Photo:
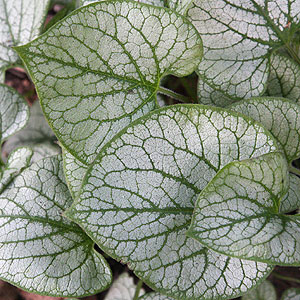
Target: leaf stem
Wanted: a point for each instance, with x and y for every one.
(138, 289)
(294, 170)
(285, 277)
(174, 95)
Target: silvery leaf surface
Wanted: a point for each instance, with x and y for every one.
(151, 2)
(99, 69)
(74, 171)
(238, 39)
(181, 6)
(237, 214)
(208, 96)
(291, 201)
(280, 116)
(291, 294)
(17, 161)
(14, 111)
(41, 251)
(20, 22)
(155, 296)
(36, 134)
(265, 291)
(137, 198)
(284, 80)
(122, 289)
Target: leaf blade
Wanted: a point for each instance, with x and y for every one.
(42, 246)
(149, 232)
(110, 86)
(237, 213)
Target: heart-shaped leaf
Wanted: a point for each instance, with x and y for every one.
(291, 294)
(99, 69)
(280, 116)
(265, 291)
(40, 250)
(123, 289)
(138, 197)
(20, 22)
(284, 80)
(238, 39)
(237, 214)
(13, 111)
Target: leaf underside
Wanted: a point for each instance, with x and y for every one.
(138, 196)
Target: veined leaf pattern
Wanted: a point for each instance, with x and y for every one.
(138, 197)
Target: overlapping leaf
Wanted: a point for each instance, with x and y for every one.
(37, 135)
(291, 294)
(40, 250)
(238, 39)
(181, 6)
(284, 78)
(151, 2)
(238, 212)
(209, 96)
(265, 291)
(155, 296)
(20, 22)
(291, 200)
(13, 111)
(123, 289)
(138, 197)
(99, 69)
(74, 171)
(280, 116)
(17, 161)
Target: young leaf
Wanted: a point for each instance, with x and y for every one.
(237, 214)
(238, 39)
(13, 111)
(155, 296)
(291, 200)
(74, 171)
(123, 289)
(265, 291)
(291, 294)
(40, 250)
(20, 22)
(284, 78)
(99, 69)
(138, 197)
(280, 116)
(17, 161)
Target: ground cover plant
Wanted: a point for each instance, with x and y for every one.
(199, 198)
